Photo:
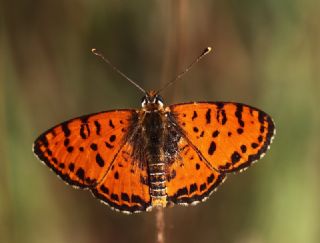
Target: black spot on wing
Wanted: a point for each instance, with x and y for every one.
(238, 114)
(225, 167)
(66, 142)
(251, 111)
(70, 149)
(114, 197)
(125, 197)
(53, 132)
(215, 134)
(197, 166)
(71, 167)
(235, 157)
(224, 117)
(193, 188)
(98, 127)
(219, 105)
(254, 145)
(84, 119)
(111, 124)
(243, 148)
(203, 187)
(221, 114)
(43, 140)
(65, 129)
(112, 138)
(240, 130)
(212, 148)
(108, 145)
(138, 200)
(104, 189)
(90, 181)
(99, 160)
(49, 152)
(210, 179)
(195, 115)
(80, 173)
(261, 117)
(84, 130)
(94, 146)
(181, 192)
(208, 116)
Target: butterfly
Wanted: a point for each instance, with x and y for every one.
(156, 156)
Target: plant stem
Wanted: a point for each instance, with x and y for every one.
(160, 223)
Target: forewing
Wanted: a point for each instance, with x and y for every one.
(125, 185)
(191, 179)
(81, 150)
(230, 136)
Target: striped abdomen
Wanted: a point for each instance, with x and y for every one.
(154, 138)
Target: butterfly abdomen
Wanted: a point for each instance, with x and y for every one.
(154, 144)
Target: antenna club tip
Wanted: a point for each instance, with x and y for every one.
(207, 50)
(94, 51)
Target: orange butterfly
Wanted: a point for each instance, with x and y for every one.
(134, 160)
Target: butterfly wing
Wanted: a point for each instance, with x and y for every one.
(125, 186)
(81, 150)
(191, 179)
(229, 136)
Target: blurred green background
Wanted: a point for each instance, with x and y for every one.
(265, 53)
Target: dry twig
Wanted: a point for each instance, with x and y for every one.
(160, 223)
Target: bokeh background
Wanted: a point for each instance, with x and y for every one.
(265, 53)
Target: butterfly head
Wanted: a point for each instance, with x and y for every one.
(152, 101)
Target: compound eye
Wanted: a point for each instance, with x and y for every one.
(144, 101)
(159, 100)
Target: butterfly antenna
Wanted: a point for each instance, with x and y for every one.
(99, 54)
(204, 53)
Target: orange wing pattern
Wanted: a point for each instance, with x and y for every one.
(125, 186)
(96, 152)
(81, 150)
(191, 179)
(230, 136)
